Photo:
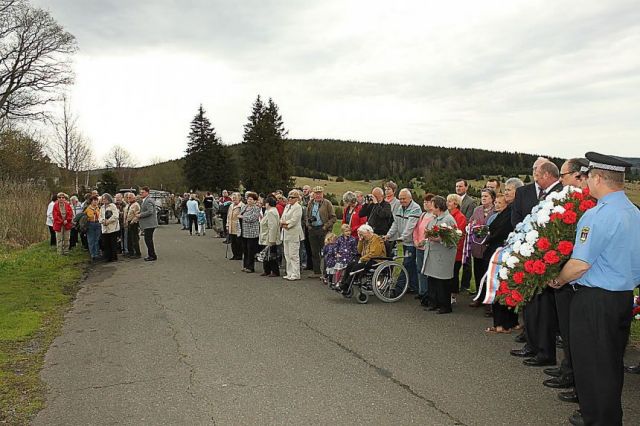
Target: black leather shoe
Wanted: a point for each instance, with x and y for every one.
(150, 259)
(633, 369)
(538, 362)
(433, 308)
(524, 352)
(568, 396)
(443, 311)
(576, 419)
(562, 382)
(521, 338)
(553, 371)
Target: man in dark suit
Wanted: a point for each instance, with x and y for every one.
(467, 206)
(540, 316)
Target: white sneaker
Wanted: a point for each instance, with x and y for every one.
(285, 277)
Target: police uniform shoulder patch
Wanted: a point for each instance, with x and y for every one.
(584, 234)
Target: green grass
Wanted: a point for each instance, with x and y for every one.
(36, 288)
(338, 188)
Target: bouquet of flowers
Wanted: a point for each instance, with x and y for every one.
(447, 235)
(480, 233)
(537, 249)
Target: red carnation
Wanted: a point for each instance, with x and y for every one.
(586, 192)
(551, 257)
(586, 205)
(543, 244)
(539, 267)
(565, 247)
(528, 266)
(569, 217)
(516, 296)
(555, 216)
(518, 277)
(436, 228)
(569, 206)
(503, 289)
(510, 302)
(577, 196)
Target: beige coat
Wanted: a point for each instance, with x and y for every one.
(270, 228)
(112, 224)
(131, 210)
(233, 223)
(292, 216)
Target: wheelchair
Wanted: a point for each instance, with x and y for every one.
(381, 280)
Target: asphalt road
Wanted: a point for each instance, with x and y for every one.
(190, 339)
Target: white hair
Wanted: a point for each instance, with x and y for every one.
(365, 228)
(406, 192)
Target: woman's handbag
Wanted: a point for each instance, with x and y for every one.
(268, 253)
(263, 255)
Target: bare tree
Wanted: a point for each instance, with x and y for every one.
(122, 162)
(118, 158)
(34, 59)
(70, 149)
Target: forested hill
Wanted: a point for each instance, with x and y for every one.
(364, 160)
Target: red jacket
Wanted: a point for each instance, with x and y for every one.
(356, 220)
(57, 217)
(461, 223)
(280, 205)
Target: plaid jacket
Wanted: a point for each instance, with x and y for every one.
(250, 222)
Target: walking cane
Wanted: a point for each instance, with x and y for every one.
(226, 252)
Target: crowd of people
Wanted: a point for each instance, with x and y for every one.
(105, 225)
(295, 233)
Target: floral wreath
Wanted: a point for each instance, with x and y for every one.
(536, 250)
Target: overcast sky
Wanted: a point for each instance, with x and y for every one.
(558, 77)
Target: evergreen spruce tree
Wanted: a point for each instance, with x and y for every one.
(265, 151)
(207, 166)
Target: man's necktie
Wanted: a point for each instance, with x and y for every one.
(541, 194)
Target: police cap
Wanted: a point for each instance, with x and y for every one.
(606, 162)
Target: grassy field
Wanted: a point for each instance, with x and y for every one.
(338, 188)
(36, 288)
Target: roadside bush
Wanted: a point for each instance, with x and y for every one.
(23, 208)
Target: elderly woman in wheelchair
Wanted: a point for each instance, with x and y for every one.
(373, 272)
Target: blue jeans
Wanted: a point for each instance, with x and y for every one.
(93, 238)
(185, 220)
(409, 263)
(422, 278)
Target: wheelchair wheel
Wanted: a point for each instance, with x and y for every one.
(362, 298)
(385, 281)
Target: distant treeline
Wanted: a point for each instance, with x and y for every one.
(434, 167)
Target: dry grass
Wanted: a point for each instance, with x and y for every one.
(23, 208)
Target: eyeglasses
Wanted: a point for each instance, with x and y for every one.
(292, 196)
(566, 173)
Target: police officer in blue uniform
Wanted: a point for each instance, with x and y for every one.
(603, 271)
